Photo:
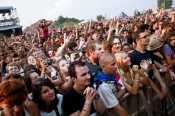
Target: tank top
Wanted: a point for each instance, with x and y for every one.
(45, 33)
(53, 113)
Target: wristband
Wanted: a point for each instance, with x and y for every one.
(160, 70)
(87, 104)
(146, 74)
(86, 110)
(163, 86)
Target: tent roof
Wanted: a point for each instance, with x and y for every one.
(6, 9)
(123, 15)
(9, 27)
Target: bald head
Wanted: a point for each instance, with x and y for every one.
(105, 58)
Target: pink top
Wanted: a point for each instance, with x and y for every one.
(45, 33)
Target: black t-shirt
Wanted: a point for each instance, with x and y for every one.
(93, 69)
(156, 58)
(137, 57)
(73, 101)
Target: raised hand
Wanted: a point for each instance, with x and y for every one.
(90, 94)
(135, 68)
(144, 65)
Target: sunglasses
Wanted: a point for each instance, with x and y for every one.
(144, 37)
(41, 81)
(16, 60)
(3, 54)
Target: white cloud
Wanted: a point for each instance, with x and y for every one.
(60, 6)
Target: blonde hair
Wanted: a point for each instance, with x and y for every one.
(125, 72)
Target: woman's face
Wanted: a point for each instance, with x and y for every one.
(47, 94)
(126, 48)
(33, 76)
(126, 60)
(116, 46)
(31, 60)
(172, 41)
(67, 58)
(63, 64)
(51, 53)
(15, 110)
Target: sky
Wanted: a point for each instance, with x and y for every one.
(30, 11)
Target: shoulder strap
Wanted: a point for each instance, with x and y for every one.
(98, 83)
(57, 112)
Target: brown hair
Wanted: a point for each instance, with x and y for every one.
(91, 45)
(110, 42)
(12, 92)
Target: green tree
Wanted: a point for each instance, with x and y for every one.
(137, 13)
(100, 17)
(165, 3)
(61, 19)
(65, 20)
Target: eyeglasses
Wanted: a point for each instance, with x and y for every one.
(119, 43)
(144, 37)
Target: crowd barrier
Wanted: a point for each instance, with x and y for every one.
(147, 102)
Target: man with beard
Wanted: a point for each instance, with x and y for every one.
(94, 51)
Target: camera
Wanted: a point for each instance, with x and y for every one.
(49, 61)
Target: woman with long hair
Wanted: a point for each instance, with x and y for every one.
(68, 83)
(44, 95)
(114, 44)
(130, 76)
(44, 24)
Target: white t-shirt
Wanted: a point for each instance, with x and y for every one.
(53, 113)
(107, 92)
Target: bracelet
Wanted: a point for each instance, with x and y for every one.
(146, 74)
(163, 86)
(86, 110)
(136, 80)
(160, 70)
(87, 104)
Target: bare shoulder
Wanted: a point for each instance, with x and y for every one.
(32, 108)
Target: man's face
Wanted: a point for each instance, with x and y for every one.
(3, 55)
(13, 70)
(16, 60)
(83, 75)
(144, 39)
(110, 66)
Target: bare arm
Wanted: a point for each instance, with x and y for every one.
(99, 105)
(159, 78)
(132, 89)
(120, 94)
(120, 110)
(32, 108)
(169, 60)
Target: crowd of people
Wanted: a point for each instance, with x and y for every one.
(85, 69)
